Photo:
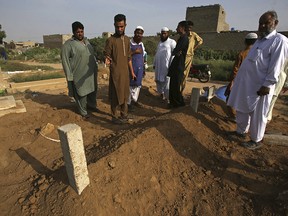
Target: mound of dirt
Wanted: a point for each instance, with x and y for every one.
(166, 162)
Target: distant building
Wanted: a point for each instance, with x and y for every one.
(56, 40)
(211, 18)
(21, 45)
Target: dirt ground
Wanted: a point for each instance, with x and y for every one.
(165, 162)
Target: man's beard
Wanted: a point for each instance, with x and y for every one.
(120, 33)
(164, 39)
(267, 32)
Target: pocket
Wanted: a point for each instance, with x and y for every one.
(254, 55)
(252, 102)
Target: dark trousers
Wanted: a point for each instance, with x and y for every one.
(175, 95)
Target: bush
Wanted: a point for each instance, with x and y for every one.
(150, 46)
(15, 66)
(18, 78)
(220, 69)
(39, 54)
(209, 54)
(99, 46)
(3, 92)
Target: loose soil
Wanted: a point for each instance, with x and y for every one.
(165, 162)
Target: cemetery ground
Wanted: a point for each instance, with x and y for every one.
(165, 162)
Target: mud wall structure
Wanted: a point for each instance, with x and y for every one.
(211, 18)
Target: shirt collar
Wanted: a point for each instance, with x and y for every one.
(271, 34)
(134, 43)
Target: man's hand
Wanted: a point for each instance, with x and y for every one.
(133, 76)
(108, 60)
(263, 91)
(137, 51)
(284, 89)
(179, 53)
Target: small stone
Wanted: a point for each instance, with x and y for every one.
(116, 198)
(41, 180)
(43, 187)
(260, 163)
(270, 162)
(233, 155)
(66, 190)
(50, 179)
(21, 200)
(24, 208)
(185, 175)
(112, 164)
(208, 172)
(32, 199)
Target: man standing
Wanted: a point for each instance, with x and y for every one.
(250, 39)
(177, 67)
(80, 67)
(118, 55)
(194, 42)
(138, 52)
(162, 61)
(254, 84)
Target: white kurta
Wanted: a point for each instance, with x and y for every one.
(261, 67)
(163, 59)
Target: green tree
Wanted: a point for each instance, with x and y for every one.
(150, 45)
(2, 34)
(99, 44)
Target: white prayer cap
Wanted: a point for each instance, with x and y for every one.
(251, 35)
(165, 29)
(140, 27)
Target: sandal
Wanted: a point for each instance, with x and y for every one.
(252, 145)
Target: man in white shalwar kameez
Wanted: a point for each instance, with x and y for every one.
(162, 62)
(254, 84)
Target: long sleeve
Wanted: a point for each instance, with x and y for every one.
(65, 57)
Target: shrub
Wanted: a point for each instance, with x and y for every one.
(98, 44)
(36, 76)
(15, 66)
(39, 54)
(3, 92)
(220, 69)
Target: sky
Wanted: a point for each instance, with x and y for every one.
(29, 20)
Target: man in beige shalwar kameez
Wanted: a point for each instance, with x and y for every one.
(118, 56)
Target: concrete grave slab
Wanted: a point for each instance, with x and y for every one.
(40, 85)
(7, 102)
(19, 108)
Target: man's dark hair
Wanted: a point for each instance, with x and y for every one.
(77, 25)
(183, 24)
(250, 41)
(273, 14)
(119, 18)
